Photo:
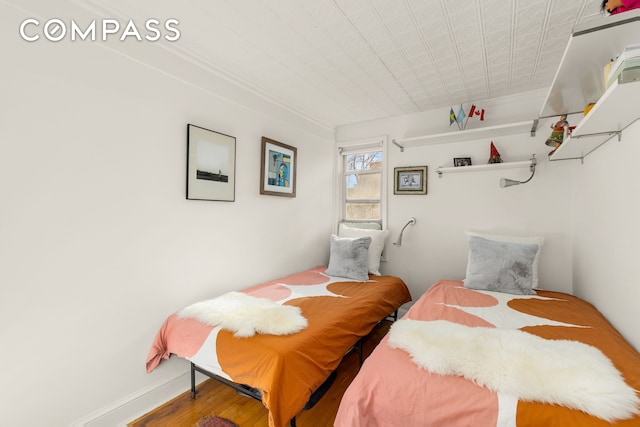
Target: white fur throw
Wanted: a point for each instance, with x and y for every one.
(246, 315)
(520, 364)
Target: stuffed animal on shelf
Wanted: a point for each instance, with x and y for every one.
(494, 157)
(618, 6)
(557, 134)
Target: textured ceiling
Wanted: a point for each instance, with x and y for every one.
(346, 61)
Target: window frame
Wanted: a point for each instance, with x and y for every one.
(345, 148)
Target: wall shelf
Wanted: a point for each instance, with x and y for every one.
(612, 114)
(579, 79)
(477, 168)
(466, 135)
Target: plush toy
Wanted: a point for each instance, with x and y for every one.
(619, 6)
(494, 157)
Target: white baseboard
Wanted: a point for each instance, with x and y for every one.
(127, 409)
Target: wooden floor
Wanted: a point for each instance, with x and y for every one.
(216, 398)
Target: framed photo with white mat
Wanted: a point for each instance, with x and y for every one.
(211, 165)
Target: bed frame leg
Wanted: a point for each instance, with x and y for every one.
(391, 317)
(193, 381)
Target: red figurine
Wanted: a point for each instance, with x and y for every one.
(494, 157)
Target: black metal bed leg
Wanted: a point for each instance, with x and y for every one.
(193, 381)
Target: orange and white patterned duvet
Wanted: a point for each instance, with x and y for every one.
(391, 390)
(288, 368)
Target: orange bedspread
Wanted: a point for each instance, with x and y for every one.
(392, 390)
(287, 369)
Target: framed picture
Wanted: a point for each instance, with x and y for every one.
(211, 165)
(462, 161)
(278, 169)
(410, 180)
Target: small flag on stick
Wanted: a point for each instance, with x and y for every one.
(475, 111)
(452, 117)
(460, 117)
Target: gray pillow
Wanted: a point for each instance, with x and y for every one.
(349, 257)
(500, 266)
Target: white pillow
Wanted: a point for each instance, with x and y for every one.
(516, 239)
(378, 238)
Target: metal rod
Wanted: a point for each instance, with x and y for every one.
(393, 141)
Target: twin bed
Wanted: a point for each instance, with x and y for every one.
(284, 371)
(489, 351)
(394, 389)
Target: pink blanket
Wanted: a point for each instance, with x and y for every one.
(392, 390)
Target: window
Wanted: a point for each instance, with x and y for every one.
(362, 184)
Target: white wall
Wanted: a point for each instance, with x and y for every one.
(436, 247)
(98, 244)
(588, 213)
(607, 234)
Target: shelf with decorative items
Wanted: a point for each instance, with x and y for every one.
(469, 134)
(580, 85)
(477, 168)
(612, 114)
(579, 80)
(531, 164)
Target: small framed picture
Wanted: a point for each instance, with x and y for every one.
(278, 169)
(462, 161)
(211, 165)
(410, 180)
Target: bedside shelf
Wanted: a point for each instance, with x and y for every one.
(477, 168)
(465, 135)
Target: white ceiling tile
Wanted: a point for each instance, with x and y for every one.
(391, 57)
(353, 42)
(443, 52)
(341, 61)
(365, 18)
(407, 37)
(421, 61)
(384, 46)
(389, 8)
(352, 6)
(374, 35)
(322, 11)
(399, 24)
(338, 28)
(285, 9)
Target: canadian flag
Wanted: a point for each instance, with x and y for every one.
(474, 111)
